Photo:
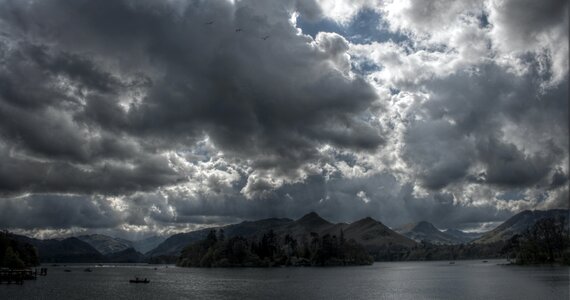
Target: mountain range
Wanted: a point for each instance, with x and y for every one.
(425, 231)
(520, 222)
(372, 234)
(462, 236)
(71, 250)
(379, 240)
(89, 248)
(108, 245)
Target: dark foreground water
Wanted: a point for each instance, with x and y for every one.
(398, 280)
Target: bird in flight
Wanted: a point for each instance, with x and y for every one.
(209, 23)
(238, 29)
(265, 37)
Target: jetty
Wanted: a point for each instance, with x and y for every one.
(10, 276)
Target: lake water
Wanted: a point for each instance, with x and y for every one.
(397, 280)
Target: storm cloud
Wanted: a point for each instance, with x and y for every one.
(160, 116)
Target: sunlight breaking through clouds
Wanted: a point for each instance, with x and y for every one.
(164, 116)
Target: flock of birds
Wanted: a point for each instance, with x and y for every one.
(237, 29)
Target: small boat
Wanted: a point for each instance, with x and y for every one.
(485, 261)
(88, 270)
(67, 270)
(138, 280)
(451, 262)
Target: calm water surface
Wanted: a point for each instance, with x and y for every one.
(398, 280)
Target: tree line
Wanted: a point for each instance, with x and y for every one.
(271, 250)
(15, 254)
(547, 241)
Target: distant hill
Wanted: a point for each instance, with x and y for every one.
(519, 223)
(72, 250)
(15, 253)
(109, 245)
(462, 236)
(425, 231)
(75, 250)
(147, 244)
(129, 255)
(311, 222)
(379, 240)
(373, 235)
(173, 246)
(106, 244)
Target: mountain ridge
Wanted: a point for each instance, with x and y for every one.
(106, 244)
(375, 236)
(520, 222)
(75, 250)
(426, 231)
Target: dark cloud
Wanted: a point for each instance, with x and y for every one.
(507, 165)
(160, 115)
(91, 82)
(526, 20)
(483, 121)
(57, 211)
(559, 179)
(532, 27)
(22, 175)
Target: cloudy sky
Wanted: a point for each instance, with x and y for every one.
(139, 117)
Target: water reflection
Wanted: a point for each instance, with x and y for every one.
(398, 280)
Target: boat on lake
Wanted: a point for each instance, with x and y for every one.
(138, 280)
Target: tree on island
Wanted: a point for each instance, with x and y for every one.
(273, 250)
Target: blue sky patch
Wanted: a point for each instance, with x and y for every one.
(366, 27)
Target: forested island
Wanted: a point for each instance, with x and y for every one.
(271, 251)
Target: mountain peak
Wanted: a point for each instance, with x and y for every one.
(425, 225)
(312, 213)
(424, 230)
(367, 220)
(312, 219)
